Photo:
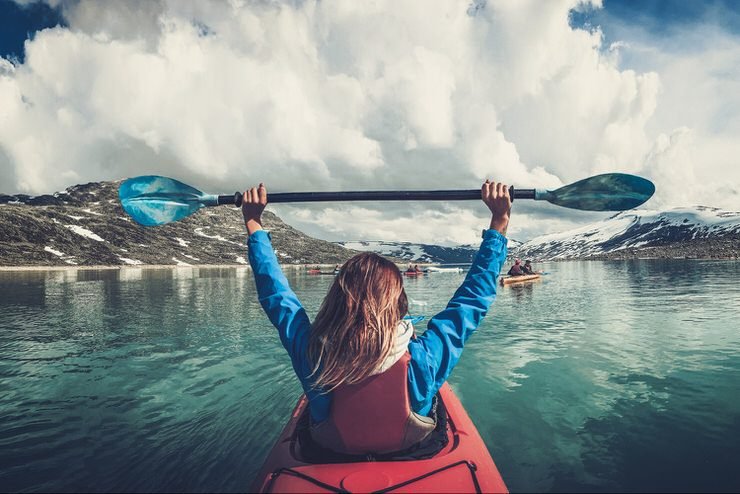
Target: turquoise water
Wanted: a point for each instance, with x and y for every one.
(604, 376)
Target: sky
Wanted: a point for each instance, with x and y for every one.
(388, 94)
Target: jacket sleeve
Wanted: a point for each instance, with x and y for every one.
(436, 352)
(278, 300)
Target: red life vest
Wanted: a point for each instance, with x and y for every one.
(373, 416)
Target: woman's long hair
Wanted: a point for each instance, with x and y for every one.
(355, 328)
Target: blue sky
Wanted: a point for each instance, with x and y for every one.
(672, 26)
(662, 14)
(660, 18)
(18, 23)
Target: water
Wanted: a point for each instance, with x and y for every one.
(605, 376)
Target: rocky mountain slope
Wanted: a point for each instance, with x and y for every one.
(697, 232)
(85, 225)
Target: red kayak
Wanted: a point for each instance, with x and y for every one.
(413, 273)
(463, 465)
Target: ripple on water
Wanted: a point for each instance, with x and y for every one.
(603, 376)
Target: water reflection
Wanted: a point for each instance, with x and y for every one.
(603, 376)
(522, 291)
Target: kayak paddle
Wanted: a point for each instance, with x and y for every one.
(152, 200)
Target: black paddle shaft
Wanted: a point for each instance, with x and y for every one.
(377, 195)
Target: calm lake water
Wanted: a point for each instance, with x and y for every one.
(604, 376)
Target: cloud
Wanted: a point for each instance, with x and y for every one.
(361, 95)
(693, 150)
(450, 224)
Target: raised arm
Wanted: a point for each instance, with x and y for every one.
(275, 295)
(436, 352)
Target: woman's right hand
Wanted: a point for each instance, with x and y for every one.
(254, 201)
(496, 197)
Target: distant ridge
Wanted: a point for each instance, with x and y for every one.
(411, 252)
(424, 253)
(698, 232)
(86, 226)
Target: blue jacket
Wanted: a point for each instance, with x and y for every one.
(433, 354)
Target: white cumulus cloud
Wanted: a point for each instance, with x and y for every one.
(338, 95)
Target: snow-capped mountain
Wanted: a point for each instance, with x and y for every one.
(411, 252)
(697, 232)
(424, 253)
(85, 225)
(513, 245)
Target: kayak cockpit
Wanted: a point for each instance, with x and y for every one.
(462, 465)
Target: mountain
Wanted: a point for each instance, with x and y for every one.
(85, 225)
(424, 253)
(410, 252)
(697, 232)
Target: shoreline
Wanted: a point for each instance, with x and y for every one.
(124, 267)
(68, 267)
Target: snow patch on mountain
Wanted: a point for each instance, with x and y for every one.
(85, 233)
(199, 232)
(132, 262)
(54, 251)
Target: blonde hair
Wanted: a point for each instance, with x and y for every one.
(355, 328)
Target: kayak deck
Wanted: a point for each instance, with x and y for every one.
(464, 465)
(509, 280)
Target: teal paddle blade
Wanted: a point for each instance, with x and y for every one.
(607, 192)
(152, 200)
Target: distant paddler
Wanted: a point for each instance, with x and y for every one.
(527, 268)
(413, 270)
(517, 269)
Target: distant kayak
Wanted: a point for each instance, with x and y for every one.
(413, 273)
(463, 465)
(510, 280)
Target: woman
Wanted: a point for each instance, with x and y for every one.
(370, 383)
